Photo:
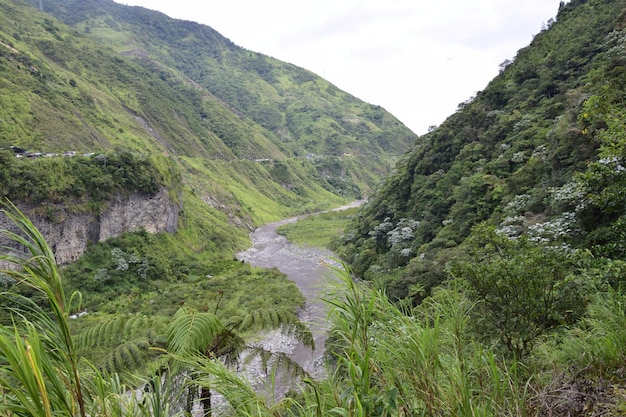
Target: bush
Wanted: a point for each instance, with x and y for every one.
(523, 289)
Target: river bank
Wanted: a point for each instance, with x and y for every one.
(310, 269)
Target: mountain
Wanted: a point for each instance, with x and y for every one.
(237, 137)
(298, 112)
(497, 242)
(537, 153)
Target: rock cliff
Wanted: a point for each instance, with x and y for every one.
(69, 233)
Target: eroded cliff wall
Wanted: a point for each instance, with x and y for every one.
(70, 233)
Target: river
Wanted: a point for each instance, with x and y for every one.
(310, 269)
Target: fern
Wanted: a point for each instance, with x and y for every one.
(214, 375)
(128, 340)
(192, 332)
(126, 357)
(285, 320)
(117, 329)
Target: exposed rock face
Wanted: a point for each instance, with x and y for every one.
(69, 235)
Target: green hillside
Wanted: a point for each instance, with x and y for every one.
(261, 138)
(287, 111)
(495, 249)
(519, 156)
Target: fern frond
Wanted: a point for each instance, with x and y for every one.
(117, 329)
(191, 331)
(277, 361)
(126, 357)
(238, 392)
(227, 346)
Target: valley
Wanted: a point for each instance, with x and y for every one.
(482, 273)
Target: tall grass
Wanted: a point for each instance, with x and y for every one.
(49, 378)
(597, 344)
(392, 362)
(41, 373)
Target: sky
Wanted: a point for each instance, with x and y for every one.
(416, 58)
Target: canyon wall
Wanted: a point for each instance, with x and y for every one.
(68, 234)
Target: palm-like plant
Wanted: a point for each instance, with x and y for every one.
(39, 370)
(203, 335)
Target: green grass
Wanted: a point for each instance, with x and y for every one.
(318, 230)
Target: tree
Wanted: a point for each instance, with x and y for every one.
(203, 333)
(523, 289)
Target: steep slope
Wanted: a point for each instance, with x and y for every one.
(300, 112)
(247, 138)
(509, 156)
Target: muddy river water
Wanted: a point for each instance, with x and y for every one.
(310, 269)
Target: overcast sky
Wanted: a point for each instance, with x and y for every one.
(416, 58)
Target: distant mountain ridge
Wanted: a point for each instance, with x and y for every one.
(247, 138)
(299, 111)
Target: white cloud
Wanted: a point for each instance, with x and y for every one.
(416, 58)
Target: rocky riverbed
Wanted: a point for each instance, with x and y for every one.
(310, 269)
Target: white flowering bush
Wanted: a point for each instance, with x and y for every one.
(616, 40)
(613, 162)
(381, 229)
(540, 152)
(569, 196)
(403, 232)
(101, 276)
(555, 230)
(511, 226)
(523, 124)
(518, 205)
(396, 239)
(401, 238)
(122, 263)
(518, 157)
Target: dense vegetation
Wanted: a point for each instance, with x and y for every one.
(496, 247)
(515, 204)
(519, 156)
(93, 179)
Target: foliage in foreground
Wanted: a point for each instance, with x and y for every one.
(42, 368)
(384, 360)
